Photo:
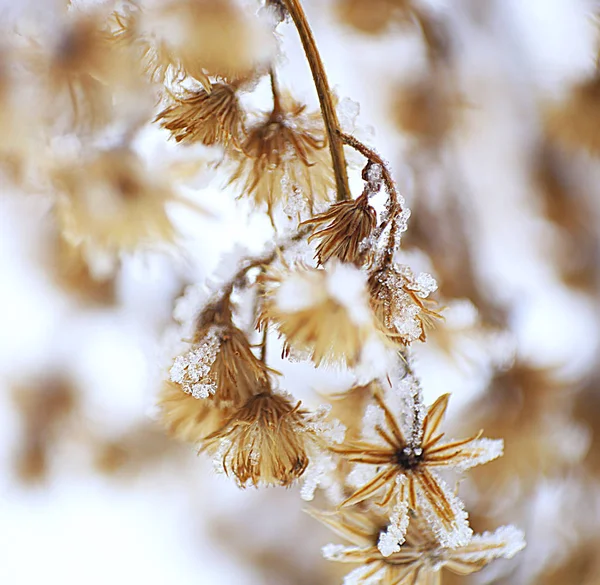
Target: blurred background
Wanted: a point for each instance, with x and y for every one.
(488, 112)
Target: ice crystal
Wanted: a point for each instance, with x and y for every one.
(192, 369)
(392, 538)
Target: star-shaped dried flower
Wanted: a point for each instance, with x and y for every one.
(421, 558)
(405, 466)
(343, 227)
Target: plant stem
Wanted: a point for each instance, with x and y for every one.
(336, 146)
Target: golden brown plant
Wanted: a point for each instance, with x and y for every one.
(405, 467)
(343, 228)
(264, 442)
(208, 116)
(315, 316)
(284, 159)
(421, 558)
(187, 418)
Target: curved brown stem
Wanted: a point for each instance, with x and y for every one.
(336, 146)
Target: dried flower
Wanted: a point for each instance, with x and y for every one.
(322, 312)
(349, 223)
(372, 16)
(111, 203)
(210, 117)
(284, 157)
(398, 299)
(405, 464)
(264, 442)
(186, 418)
(421, 558)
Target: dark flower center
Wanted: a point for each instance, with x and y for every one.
(408, 458)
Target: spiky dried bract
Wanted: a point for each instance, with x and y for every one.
(343, 227)
(111, 203)
(186, 418)
(210, 117)
(421, 558)
(404, 464)
(399, 301)
(196, 38)
(264, 442)
(284, 158)
(323, 313)
(576, 121)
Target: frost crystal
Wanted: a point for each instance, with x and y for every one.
(192, 369)
(482, 451)
(391, 540)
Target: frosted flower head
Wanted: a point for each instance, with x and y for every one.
(209, 117)
(405, 464)
(398, 299)
(324, 312)
(421, 557)
(111, 203)
(264, 442)
(219, 364)
(186, 418)
(341, 230)
(284, 155)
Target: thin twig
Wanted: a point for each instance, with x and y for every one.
(336, 146)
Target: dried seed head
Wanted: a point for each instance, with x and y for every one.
(111, 203)
(186, 418)
(264, 442)
(344, 226)
(399, 301)
(576, 121)
(283, 158)
(220, 364)
(322, 313)
(210, 117)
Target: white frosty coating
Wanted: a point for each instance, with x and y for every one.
(192, 369)
(190, 303)
(505, 542)
(361, 474)
(299, 291)
(372, 418)
(332, 431)
(391, 540)
(412, 409)
(376, 360)
(348, 111)
(426, 284)
(460, 532)
(483, 450)
(348, 286)
(334, 552)
(320, 467)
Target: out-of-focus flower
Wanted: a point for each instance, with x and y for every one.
(576, 120)
(399, 301)
(373, 16)
(210, 117)
(421, 558)
(284, 158)
(111, 203)
(199, 38)
(405, 464)
(343, 228)
(324, 313)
